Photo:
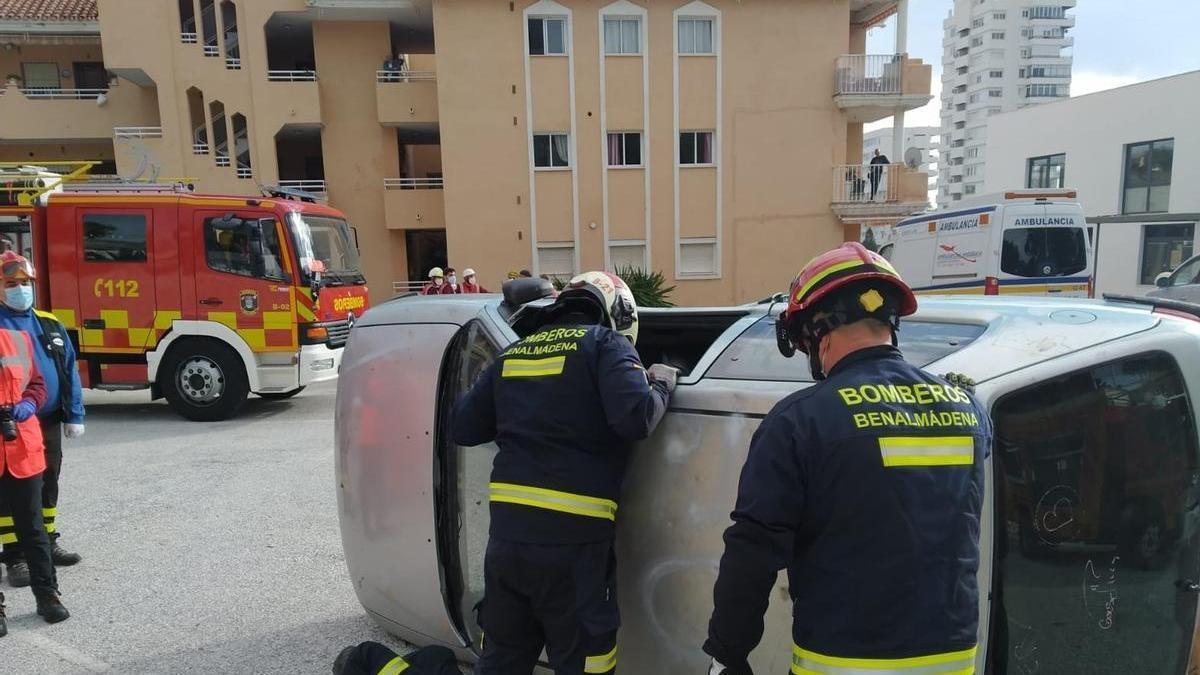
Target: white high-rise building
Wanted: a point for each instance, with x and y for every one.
(998, 56)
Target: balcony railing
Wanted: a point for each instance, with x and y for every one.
(199, 148)
(189, 38)
(137, 132)
(316, 186)
(233, 63)
(63, 94)
(869, 73)
(399, 287)
(413, 183)
(292, 75)
(212, 50)
(864, 184)
(221, 159)
(404, 76)
(245, 172)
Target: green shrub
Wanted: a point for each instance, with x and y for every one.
(649, 288)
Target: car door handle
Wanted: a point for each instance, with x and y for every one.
(1187, 586)
(212, 301)
(93, 324)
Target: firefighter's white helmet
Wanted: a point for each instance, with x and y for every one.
(607, 289)
(436, 273)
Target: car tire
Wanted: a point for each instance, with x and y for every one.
(204, 380)
(279, 395)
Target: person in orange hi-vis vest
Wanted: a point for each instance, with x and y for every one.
(22, 462)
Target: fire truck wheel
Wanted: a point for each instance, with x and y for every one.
(279, 395)
(204, 380)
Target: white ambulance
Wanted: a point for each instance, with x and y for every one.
(1025, 242)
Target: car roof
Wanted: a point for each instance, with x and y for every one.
(1021, 331)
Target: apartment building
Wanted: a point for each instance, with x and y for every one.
(998, 56)
(1120, 156)
(716, 142)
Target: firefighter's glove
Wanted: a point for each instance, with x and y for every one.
(24, 410)
(73, 430)
(665, 374)
(716, 668)
(960, 380)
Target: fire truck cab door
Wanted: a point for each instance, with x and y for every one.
(116, 279)
(244, 277)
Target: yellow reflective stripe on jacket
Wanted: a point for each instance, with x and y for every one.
(806, 662)
(533, 367)
(580, 505)
(603, 663)
(394, 667)
(8, 538)
(927, 450)
(6, 521)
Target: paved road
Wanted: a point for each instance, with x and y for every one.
(208, 548)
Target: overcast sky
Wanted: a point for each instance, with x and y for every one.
(1117, 42)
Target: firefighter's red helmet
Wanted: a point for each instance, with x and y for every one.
(14, 267)
(836, 269)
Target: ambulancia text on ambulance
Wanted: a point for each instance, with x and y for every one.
(203, 299)
(1028, 242)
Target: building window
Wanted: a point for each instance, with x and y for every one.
(40, 76)
(998, 35)
(976, 41)
(993, 111)
(622, 36)
(551, 151)
(995, 93)
(695, 147)
(970, 170)
(1044, 90)
(626, 254)
(1165, 247)
(625, 148)
(1026, 32)
(996, 74)
(114, 237)
(547, 36)
(556, 260)
(969, 189)
(972, 153)
(1026, 52)
(1148, 176)
(696, 36)
(229, 246)
(1046, 172)
(977, 23)
(697, 257)
(999, 16)
(1048, 12)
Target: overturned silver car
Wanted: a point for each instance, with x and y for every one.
(1089, 546)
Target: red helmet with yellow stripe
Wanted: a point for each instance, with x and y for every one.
(837, 288)
(14, 267)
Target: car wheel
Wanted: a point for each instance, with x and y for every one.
(279, 395)
(204, 380)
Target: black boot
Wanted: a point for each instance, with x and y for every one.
(50, 608)
(18, 574)
(62, 557)
(339, 664)
(3, 621)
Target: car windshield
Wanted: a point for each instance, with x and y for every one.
(1044, 251)
(754, 355)
(325, 245)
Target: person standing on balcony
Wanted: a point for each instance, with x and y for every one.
(876, 171)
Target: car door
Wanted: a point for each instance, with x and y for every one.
(1096, 548)
(1184, 283)
(243, 277)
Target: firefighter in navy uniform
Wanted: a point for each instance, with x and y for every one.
(866, 487)
(373, 658)
(564, 405)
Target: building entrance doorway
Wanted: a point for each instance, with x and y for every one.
(426, 249)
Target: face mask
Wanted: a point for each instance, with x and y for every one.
(453, 279)
(19, 297)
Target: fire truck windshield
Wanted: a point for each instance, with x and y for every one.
(325, 245)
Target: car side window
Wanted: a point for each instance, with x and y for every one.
(754, 356)
(114, 237)
(1096, 509)
(1188, 274)
(234, 250)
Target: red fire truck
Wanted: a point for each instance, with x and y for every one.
(201, 298)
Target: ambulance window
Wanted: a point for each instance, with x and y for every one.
(754, 355)
(1096, 503)
(114, 237)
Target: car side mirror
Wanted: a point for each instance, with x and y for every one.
(517, 292)
(1163, 280)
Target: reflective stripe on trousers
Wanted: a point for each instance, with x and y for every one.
(805, 662)
(8, 534)
(394, 667)
(553, 500)
(603, 663)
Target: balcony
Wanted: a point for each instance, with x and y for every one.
(870, 87)
(298, 99)
(881, 191)
(414, 203)
(61, 115)
(314, 187)
(406, 97)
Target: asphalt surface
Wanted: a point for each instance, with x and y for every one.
(208, 548)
